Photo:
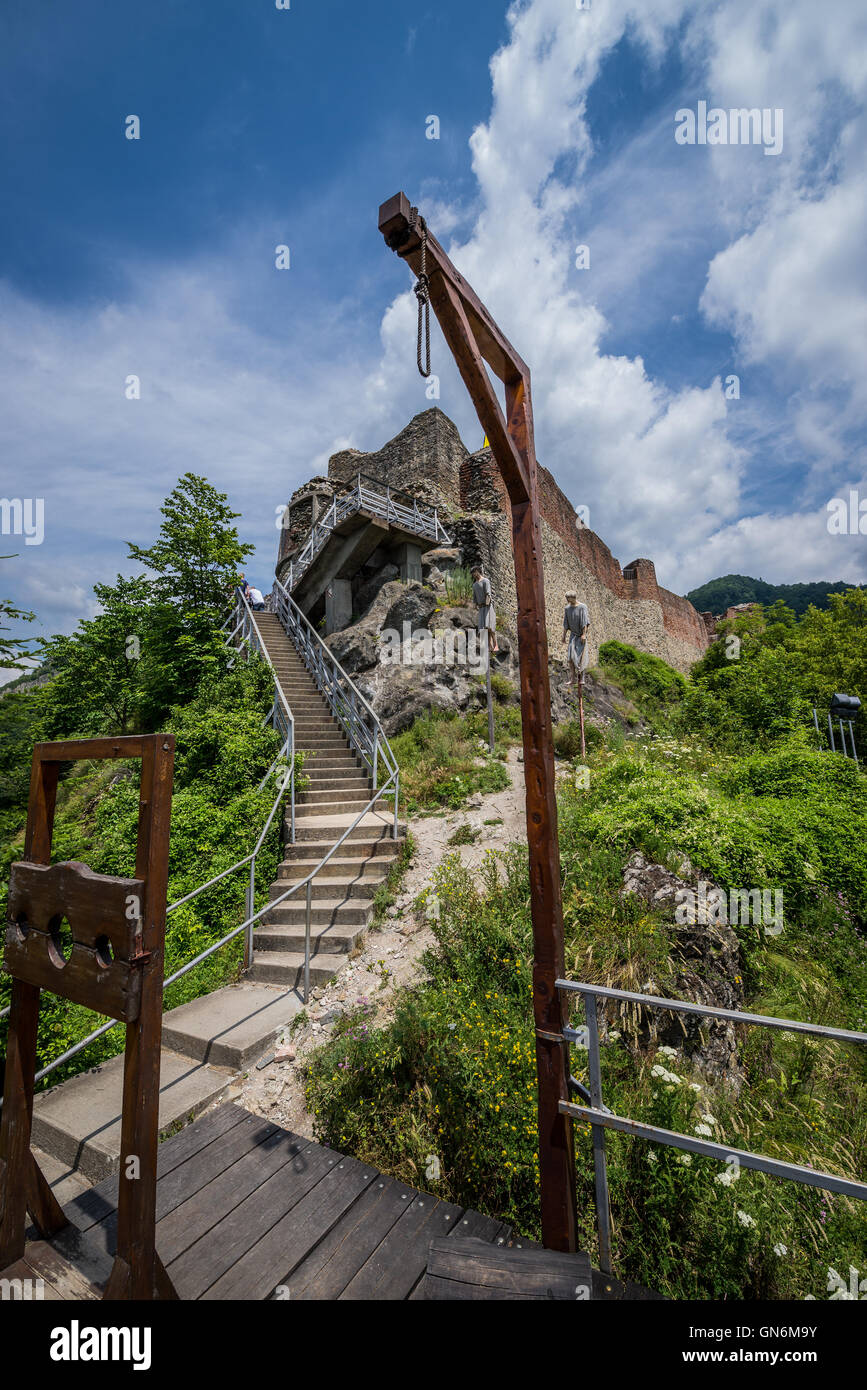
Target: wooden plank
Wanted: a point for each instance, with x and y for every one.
(95, 905)
(337, 1259)
(474, 1269)
(266, 1199)
(282, 1249)
(93, 1206)
(186, 1179)
(394, 1269)
(59, 1272)
(214, 1202)
(472, 1225)
(21, 1275)
(113, 990)
(71, 750)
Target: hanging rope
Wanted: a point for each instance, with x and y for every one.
(422, 294)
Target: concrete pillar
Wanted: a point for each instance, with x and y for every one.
(338, 606)
(408, 559)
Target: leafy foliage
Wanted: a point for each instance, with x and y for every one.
(718, 595)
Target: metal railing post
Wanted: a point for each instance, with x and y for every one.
(251, 908)
(376, 760)
(396, 803)
(307, 940)
(600, 1167)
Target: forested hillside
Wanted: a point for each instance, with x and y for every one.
(718, 595)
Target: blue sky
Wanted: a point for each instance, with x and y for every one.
(261, 127)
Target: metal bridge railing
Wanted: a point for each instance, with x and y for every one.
(347, 704)
(601, 1118)
(381, 501)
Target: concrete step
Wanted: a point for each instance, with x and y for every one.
(337, 779)
(353, 795)
(65, 1182)
(337, 910)
(325, 939)
(231, 1027)
(78, 1122)
(345, 887)
(286, 968)
(354, 849)
(339, 866)
(371, 826)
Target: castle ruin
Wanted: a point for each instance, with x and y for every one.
(427, 465)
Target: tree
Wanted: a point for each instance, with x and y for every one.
(97, 671)
(12, 648)
(197, 555)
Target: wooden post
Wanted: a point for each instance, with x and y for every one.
(115, 967)
(488, 689)
(474, 339)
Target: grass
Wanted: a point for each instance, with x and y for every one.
(444, 758)
(453, 1074)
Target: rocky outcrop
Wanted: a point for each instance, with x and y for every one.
(708, 970)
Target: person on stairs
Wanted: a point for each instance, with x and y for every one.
(576, 622)
(255, 599)
(487, 618)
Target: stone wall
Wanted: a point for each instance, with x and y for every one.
(429, 461)
(424, 460)
(625, 605)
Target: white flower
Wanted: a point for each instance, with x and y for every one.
(653, 1156)
(686, 1160)
(667, 1051)
(709, 1119)
(704, 1129)
(657, 1070)
(695, 1086)
(613, 1035)
(725, 1179)
(780, 1251)
(745, 1218)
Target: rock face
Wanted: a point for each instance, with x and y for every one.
(709, 971)
(411, 651)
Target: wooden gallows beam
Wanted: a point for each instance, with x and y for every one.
(474, 339)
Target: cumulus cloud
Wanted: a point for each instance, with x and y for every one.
(765, 253)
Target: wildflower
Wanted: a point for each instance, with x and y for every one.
(745, 1218)
(686, 1160)
(709, 1119)
(667, 1051)
(725, 1179)
(694, 1086)
(653, 1156)
(704, 1129)
(780, 1250)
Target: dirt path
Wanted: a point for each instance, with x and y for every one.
(390, 957)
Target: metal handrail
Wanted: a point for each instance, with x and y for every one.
(344, 698)
(601, 1118)
(250, 627)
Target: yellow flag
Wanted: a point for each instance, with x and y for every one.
(486, 445)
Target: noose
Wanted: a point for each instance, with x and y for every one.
(422, 294)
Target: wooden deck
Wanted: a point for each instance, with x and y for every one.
(246, 1210)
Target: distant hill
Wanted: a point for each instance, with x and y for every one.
(719, 594)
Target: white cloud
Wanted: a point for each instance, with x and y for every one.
(775, 244)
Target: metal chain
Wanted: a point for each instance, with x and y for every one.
(422, 294)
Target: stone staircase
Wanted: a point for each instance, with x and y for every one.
(340, 787)
(208, 1042)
